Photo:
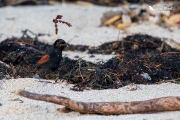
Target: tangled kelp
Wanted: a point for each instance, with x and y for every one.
(140, 59)
(134, 43)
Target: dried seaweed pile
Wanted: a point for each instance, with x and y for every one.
(80, 48)
(140, 59)
(20, 55)
(133, 43)
(81, 2)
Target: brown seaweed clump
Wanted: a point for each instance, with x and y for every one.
(141, 59)
(137, 43)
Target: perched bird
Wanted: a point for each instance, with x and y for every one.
(53, 58)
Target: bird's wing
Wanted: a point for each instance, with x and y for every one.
(44, 59)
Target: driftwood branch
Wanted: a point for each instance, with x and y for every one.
(109, 108)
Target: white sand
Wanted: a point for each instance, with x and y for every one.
(85, 30)
(32, 109)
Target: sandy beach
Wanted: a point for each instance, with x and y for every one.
(17, 107)
(85, 31)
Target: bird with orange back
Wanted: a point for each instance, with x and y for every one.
(52, 59)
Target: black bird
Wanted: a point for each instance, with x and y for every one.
(54, 56)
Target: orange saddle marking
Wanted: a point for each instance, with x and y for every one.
(44, 59)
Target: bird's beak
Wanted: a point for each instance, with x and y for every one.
(61, 45)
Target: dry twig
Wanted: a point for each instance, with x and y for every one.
(79, 63)
(1, 62)
(58, 19)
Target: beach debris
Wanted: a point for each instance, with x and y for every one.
(112, 2)
(83, 3)
(123, 26)
(58, 19)
(126, 19)
(79, 2)
(16, 99)
(174, 44)
(174, 20)
(121, 18)
(23, 2)
(146, 76)
(112, 20)
(140, 59)
(137, 43)
(110, 17)
(165, 14)
(162, 104)
(133, 87)
(5, 70)
(80, 48)
(29, 34)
